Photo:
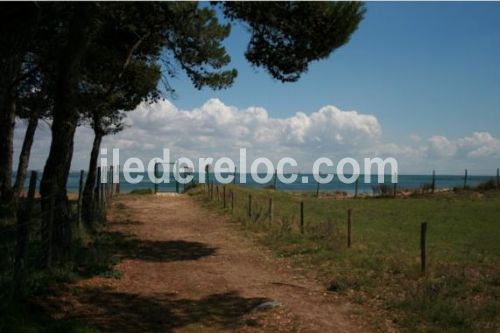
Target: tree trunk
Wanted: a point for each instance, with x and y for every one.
(24, 221)
(24, 156)
(65, 120)
(7, 122)
(88, 191)
(18, 22)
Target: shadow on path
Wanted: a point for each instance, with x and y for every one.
(123, 312)
(159, 251)
(127, 222)
(110, 248)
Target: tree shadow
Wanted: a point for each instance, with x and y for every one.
(109, 248)
(111, 311)
(130, 247)
(125, 222)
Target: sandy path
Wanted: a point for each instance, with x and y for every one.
(188, 270)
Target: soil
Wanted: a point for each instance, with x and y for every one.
(187, 269)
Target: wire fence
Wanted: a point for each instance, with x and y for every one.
(40, 227)
(328, 221)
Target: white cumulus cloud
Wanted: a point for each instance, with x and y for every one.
(219, 129)
(215, 129)
(480, 144)
(442, 146)
(477, 145)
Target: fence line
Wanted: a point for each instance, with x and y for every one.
(255, 207)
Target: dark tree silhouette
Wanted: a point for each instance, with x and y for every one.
(86, 52)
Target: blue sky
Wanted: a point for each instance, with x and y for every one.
(423, 79)
(423, 68)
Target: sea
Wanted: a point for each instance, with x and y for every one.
(304, 182)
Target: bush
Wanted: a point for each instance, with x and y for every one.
(383, 190)
(487, 185)
(426, 187)
(142, 191)
(459, 189)
(190, 186)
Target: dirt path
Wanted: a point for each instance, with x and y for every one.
(187, 270)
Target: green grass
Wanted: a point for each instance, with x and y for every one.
(459, 293)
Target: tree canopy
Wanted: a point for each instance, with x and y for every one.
(286, 36)
(93, 61)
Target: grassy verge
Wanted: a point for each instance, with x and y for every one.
(460, 291)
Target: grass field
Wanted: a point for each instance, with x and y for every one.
(460, 291)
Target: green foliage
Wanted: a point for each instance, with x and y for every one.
(198, 48)
(287, 36)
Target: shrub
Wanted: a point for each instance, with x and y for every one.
(487, 185)
(426, 187)
(142, 191)
(382, 190)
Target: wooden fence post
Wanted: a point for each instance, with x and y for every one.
(250, 206)
(349, 222)
(106, 183)
(156, 176)
(111, 182)
(234, 178)
(232, 201)
(465, 179)
(102, 195)
(97, 190)
(105, 175)
(356, 187)
(433, 184)
(270, 212)
(22, 241)
(423, 254)
(217, 191)
(118, 179)
(302, 217)
(498, 178)
(99, 204)
(224, 196)
(317, 189)
(80, 193)
(275, 179)
(103, 202)
(106, 186)
(395, 191)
